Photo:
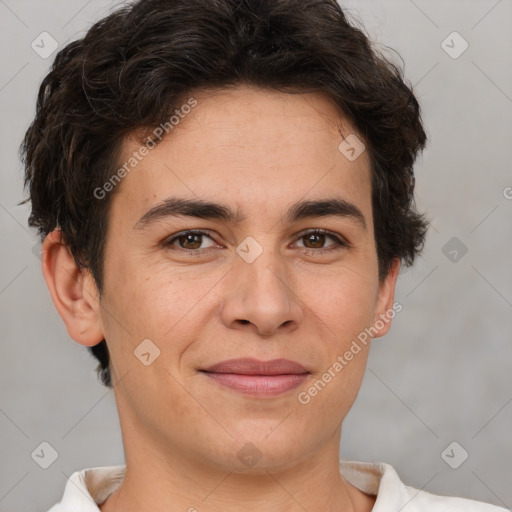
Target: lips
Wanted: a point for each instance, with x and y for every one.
(248, 366)
(258, 378)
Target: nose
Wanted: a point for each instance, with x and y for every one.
(260, 297)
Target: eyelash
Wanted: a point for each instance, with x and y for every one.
(340, 242)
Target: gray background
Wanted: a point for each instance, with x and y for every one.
(442, 374)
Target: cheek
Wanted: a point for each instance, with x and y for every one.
(153, 305)
(344, 303)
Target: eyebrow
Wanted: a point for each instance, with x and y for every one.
(175, 206)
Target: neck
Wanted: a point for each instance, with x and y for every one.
(159, 479)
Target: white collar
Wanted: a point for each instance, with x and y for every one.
(88, 488)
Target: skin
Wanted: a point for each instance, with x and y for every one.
(257, 152)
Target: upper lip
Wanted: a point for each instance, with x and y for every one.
(250, 366)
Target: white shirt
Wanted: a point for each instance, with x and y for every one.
(88, 488)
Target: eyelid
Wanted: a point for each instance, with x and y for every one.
(169, 241)
(340, 240)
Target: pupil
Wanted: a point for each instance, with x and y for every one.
(319, 239)
(190, 238)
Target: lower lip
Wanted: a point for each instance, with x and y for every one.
(259, 385)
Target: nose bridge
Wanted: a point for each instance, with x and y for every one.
(266, 277)
(268, 274)
(260, 291)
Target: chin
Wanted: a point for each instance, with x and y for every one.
(259, 451)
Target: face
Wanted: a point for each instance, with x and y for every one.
(247, 275)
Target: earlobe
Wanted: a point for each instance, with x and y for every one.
(385, 310)
(73, 291)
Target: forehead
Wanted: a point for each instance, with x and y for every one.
(249, 146)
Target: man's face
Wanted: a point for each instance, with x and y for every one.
(204, 299)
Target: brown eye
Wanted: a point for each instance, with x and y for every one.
(190, 240)
(314, 240)
(317, 239)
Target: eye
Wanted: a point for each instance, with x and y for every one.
(316, 239)
(313, 240)
(189, 240)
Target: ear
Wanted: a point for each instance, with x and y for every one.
(385, 309)
(73, 291)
